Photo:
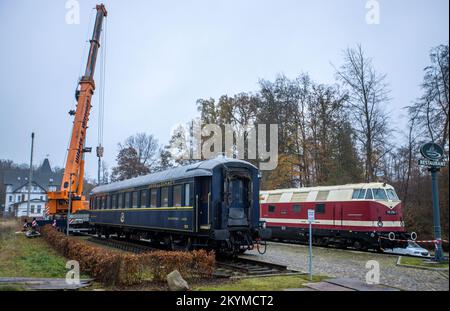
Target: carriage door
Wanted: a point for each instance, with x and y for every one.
(338, 214)
(238, 201)
(204, 202)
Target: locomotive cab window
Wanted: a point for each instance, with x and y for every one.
(392, 195)
(379, 194)
(320, 208)
(356, 193)
(165, 196)
(177, 195)
(369, 195)
(271, 208)
(362, 194)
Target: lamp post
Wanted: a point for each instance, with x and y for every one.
(30, 175)
(433, 154)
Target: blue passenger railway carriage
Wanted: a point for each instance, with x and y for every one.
(212, 204)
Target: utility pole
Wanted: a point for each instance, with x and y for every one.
(30, 175)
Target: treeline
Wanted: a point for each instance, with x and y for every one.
(329, 133)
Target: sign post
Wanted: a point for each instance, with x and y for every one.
(433, 154)
(311, 217)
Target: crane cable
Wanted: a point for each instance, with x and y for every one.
(101, 109)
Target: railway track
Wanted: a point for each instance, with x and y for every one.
(236, 267)
(133, 247)
(243, 267)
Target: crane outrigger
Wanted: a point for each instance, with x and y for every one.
(71, 190)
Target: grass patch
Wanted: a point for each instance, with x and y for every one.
(24, 257)
(422, 263)
(262, 283)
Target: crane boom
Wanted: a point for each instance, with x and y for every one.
(72, 181)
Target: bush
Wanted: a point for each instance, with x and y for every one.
(112, 267)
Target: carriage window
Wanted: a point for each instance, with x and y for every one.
(369, 195)
(392, 195)
(271, 208)
(362, 194)
(144, 198)
(97, 202)
(187, 196)
(114, 201)
(379, 194)
(104, 202)
(320, 208)
(164, 196)
(127, 199)
(177, 195)
(154, 198)
(296, 208)
(120, 200)
(134, 202)
(108, 202)
(356, 193)
(237, 190)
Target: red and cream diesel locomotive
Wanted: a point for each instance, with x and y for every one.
(366, 215)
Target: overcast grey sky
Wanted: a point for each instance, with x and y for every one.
(164, 55)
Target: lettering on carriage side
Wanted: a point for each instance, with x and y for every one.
(173, 218)
(161, 184)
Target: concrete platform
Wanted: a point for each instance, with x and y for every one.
(328, 287)
(358, 285)
(44, 283)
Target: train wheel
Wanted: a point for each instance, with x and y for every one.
(357, 245)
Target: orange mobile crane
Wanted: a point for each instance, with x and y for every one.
(71, 191)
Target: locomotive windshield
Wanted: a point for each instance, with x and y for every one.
(392, 195)
(379, 194)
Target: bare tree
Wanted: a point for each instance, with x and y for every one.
(431, 109)
(367, 94)
(146, 147)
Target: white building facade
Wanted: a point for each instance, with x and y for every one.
(16, 194)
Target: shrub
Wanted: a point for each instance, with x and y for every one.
(111, 267)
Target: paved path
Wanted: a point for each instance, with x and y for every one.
(352, 264)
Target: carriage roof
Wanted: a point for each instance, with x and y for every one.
(202, 168)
